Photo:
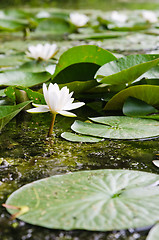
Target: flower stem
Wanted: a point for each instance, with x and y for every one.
(51, 125)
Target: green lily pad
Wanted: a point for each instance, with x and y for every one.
(126, 69)
(12, 25)
(14, 92)
(103, 35)
(55, 25)
(80, 63)
(2, 92)
(146, 93)
(154, 233)
(33, 66)
(79, 86)
(100, 200)
(153, 73)
(8, 112)
(118, 127)
(79, 138)
(136, 107)
(12, 60)
(20, 78)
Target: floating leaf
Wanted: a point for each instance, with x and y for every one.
(156, 163)
(100, 200)
(8, 112)
(153, 73)
(12, 25)
(79, 86)
(126, 69)
(136, 107)
(118, 127)
(33, 66)
(154, 233)
(36, 97)
(55, 26)
(80, 63)
(103, 35)
(79, 138)
(12, 60)
(25, 79)
(146, 93)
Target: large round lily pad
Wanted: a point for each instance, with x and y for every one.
(118, 127)
(97, 200)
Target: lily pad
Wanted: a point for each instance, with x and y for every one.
(146, 93)
(118, 127)
(154, 233)
(12, 25)
(102, 35)
(25, 79)
(81, 63)
(79, 138)
(13, 92)
(126, 69)
(8, 112)
(100, 200)
(12, 60)
(55, 25)
(136, 107)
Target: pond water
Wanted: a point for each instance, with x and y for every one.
(26, 154)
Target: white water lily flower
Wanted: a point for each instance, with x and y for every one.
(42, 52)
(118, 17)
(78, 19)
(43, 14)
(2, 14)
(58, 102)
(149, 16)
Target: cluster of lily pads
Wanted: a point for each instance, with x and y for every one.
(76, 25)
(128, 84)
(126, 87)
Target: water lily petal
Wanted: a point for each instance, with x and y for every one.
(40, 105)
(45, 92)
(63, 97)
(42, 109)
(46, 50)
(54, 95)
(50, 69)
(67, 114)
(53, 50)
(78, 19)
(41, 51)
(74, 105)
